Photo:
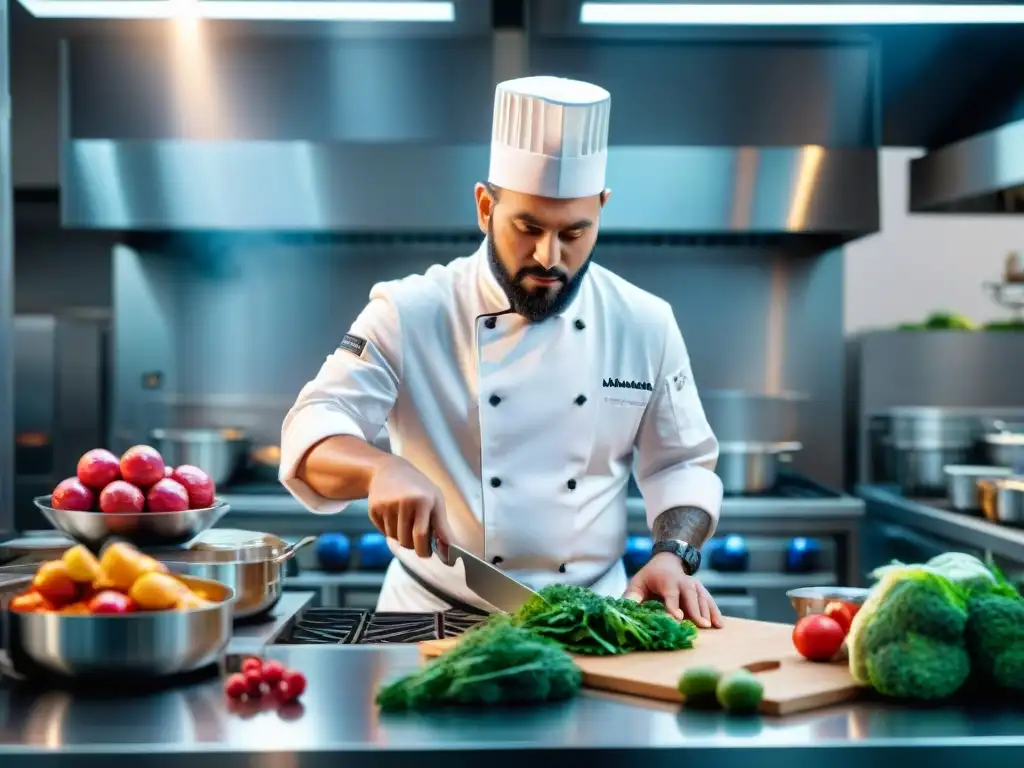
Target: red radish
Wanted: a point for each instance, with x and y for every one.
(167, 496)
(73, 495)
(120, 497)
(198, 484)
(236, 686)
(142, 465)
(168, 471)
(98, 468)
(252, 663)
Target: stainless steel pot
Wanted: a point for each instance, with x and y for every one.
(1005, 449)
(920, 425)
(962, 484)
(737, 415)
(252, 564)
(920, 467)
(143, 644)
(221, 453)
(748, 467)
(1002, 500)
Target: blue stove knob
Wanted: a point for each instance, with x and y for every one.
(638, 552)
(332, 551)
(730, 555)
(803, 555)
(374, 554)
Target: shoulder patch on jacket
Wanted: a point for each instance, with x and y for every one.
(353, 344)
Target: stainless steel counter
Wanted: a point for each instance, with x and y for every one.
(338, 721)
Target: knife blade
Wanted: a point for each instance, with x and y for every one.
(490, 583)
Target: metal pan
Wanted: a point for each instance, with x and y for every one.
(251, 563)
(962, 484)
(144, 644)
(144, 529)
(1002, 500)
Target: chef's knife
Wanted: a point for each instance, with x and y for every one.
(498, 589)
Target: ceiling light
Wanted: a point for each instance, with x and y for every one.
(796, 14)
(268, 10)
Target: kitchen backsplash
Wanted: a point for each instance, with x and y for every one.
(234, 331)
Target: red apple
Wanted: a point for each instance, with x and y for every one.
(142, 466)
(98, 468)
(72, 494)
(121, 496)
(198, 484)
(108, 601)
(167, 496)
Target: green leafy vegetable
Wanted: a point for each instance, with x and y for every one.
(995, 638)
(495, 663)
(586, 623)
(926, 629)
(907, 640)
(523, 658)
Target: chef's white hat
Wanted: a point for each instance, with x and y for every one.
(550, 137)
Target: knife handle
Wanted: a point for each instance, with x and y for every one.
(440, 549)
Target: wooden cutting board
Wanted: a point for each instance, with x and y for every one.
(791, 683)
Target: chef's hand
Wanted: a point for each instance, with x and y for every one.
(663, 578)
(406, 506)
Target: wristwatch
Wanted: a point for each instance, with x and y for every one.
(688, 553)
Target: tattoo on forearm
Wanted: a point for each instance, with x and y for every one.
(689, 524)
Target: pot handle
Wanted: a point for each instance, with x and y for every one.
(289, 552)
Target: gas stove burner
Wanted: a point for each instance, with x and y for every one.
(352, 626)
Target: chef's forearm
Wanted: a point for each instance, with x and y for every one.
(689, 524)
(341, 467)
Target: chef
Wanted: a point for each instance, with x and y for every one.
(520, 386)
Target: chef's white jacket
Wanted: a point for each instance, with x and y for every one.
(530, 430)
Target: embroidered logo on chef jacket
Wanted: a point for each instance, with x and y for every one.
(621, 384)
(353, 344)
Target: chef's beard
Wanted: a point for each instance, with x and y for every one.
(536, 304)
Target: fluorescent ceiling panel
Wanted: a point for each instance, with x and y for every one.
(271, 10)
(727, 14)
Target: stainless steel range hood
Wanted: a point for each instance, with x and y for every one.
(376, 136)
(980, 174)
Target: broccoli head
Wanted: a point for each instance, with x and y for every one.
(995, 639)
(918, 667)
(907, 640)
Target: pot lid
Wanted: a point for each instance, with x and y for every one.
(226, 545)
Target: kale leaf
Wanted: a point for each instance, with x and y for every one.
(494, 663)
(584, 622)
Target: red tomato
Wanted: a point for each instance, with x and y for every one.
(254, 679)
(109, 601)
(841, 613)
(273, 672)
(252, 663)
(292, 685)
(236, 686)
(818, 637)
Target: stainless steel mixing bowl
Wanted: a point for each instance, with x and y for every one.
(143, 529)
(142, 644)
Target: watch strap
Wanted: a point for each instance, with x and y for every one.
(685, 551)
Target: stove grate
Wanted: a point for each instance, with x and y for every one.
(353, 626)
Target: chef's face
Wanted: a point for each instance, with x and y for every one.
(540, 247)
